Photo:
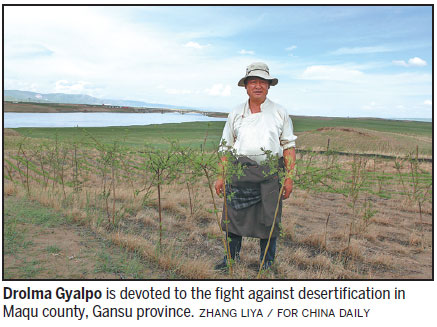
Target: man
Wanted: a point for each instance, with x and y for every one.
(253, 128)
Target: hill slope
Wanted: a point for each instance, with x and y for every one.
(27, 96)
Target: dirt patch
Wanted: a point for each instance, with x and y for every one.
(70, 252)
(342, 129)
(10, 132)
(364, 141)
(55, 253)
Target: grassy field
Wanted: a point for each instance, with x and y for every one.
(304, 124)
(349, 217)
(348, 135)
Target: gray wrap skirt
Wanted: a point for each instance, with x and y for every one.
(256, 219)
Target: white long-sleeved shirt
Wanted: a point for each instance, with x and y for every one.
(270, 129)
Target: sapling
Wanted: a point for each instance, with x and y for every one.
(130, 166)
(326, 231)
(191, 173)
(381, 179)
(108, 162)
(216, 164)
(165, 165)
(55, 160)
(229, 168)
(357, 179)
(368, 213)
(38, 153)
(283, 174)
(18, 162)
(103, 163)
(311, 177)
(398, 164)
(75, 165)
(8, 167)
(61, 164)
(207, 167)
(113, 178)
(420, 190)
(145, 179)
(26, 161)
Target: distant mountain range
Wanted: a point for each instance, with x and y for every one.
(27, 96)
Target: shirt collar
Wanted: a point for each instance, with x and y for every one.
(266, 104)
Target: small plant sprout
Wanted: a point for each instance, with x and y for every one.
(166, 166)
(283, 175)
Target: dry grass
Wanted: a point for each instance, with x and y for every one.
(365, 141)
(393, 244)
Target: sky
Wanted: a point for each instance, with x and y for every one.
(341, 61)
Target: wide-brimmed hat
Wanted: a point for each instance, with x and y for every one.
(258, 69)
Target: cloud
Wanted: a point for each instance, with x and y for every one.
(290, 49)
(412, 62)
(219, 90)
(127, 52)
(195, 45)
(361, 50)
(27, 50)
(427, 102)
(64, 86)
(356, 92)
(333, 73)
(400, 63)
(246, 52)
(178, 91)
(372, 106)
(416, 61)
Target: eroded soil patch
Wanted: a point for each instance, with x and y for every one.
(49, 249)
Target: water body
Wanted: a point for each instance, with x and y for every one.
(97, 119)
(104, 119)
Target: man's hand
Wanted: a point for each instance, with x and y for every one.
(288, 188)
(219, 184)
(289, 161)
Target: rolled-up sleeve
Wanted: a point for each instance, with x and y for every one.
(287, 138)
(228, 136)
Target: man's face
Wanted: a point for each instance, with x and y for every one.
(257, 88)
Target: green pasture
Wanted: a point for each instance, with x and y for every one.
(304, 124)
(188, 134)
(197, 134)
